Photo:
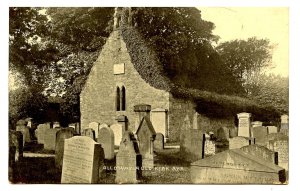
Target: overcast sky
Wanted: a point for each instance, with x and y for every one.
(242, 23)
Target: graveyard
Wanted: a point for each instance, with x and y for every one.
(57, 155)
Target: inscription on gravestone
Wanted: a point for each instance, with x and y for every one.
(244, 124)
(106, 139)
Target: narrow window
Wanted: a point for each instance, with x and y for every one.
(123, 99)
(118, 99)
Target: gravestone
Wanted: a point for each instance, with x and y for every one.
(77, 129)
(238, 142)
(284, 127)
(159, 120)
(50, 139)
(107, 139)
(262, 152)
(89, 133)
(56, 124)
(272, 129)
(61, 135)
(117, 129)
(195, 120)
(192, 144)
(236, 167)
(21, 122)
(260, 134)
(159, 142)
(40, 132)
(83, 158)
(128, 160)
(256, 124)
(95, 127)
(209, 148)
(281, 145)
(244, 124)
(186, 123)
(233, 132)
(223, 134)
(16, 140)
(25, 132)
(146, 135)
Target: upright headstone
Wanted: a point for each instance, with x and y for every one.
(260, 134)
(95, 127)
(29, 122)
(16, 140)
(209, 148)
(128, 160)
(61, 135)
(117, 129)
(284, 127)
(238, 142)
(236, 167)
(56, 124)
(272, 129)
(186, 123)
(89, 133)
(77, 129)
(25, 131)
(223, 134)
(40, 132)
(159, 120)
(146, 136)
(192, 144)
(50, 139)
(233, 132)
(81, 162)
(281, 145)
(244, 124)
(256, 124)
(107, 140)
(159, 141)
(262, 152)
(195, 120)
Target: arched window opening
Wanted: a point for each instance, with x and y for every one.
(123, 99)
(118, 99)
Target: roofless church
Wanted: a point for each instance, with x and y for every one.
(127, 80)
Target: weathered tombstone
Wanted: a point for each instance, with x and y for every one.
(82, 159)
(192, 144)
(260, 134)
(272, 129)
(159, 141)
(56, 124)
(128, 160)
(238, 142)
(25, 131)
(209, 148)
(117, 129)
(262, 152)
(244, 124)
(146, 135)
(281, 145)
(236, 167)
(61, 135)
(223, 134)
(107, 139)
(95, 127)
(40, 132)
(256, 124)
(89, 133)
(16, 140)
(159, 120)
(195, 120)
(233, 132)
(186, 123)
(50, 139)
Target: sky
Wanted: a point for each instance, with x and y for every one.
(241, 23)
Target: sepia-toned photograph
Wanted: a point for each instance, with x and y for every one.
(148, 95)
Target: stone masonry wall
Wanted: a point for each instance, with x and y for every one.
(97, 99)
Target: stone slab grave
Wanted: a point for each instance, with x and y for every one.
(50, 139)
(16, 140)
(262, 152)
(222, 134)
(146, 136)
(128, 160)
(236, 167)
(159, 142)
(83, 160)
(272, 129)
(117, 129)
(244, 124)
(95, 127)
(260, 134)
(89, 133)
(238, 142)
(107, 140)
(61, 135)
(281, 145)
(192, 144)
(40, 132)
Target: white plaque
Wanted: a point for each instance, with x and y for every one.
(119, 68)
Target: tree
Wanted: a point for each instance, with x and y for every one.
(246, 59)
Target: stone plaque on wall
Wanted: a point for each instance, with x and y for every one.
(119, 68)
